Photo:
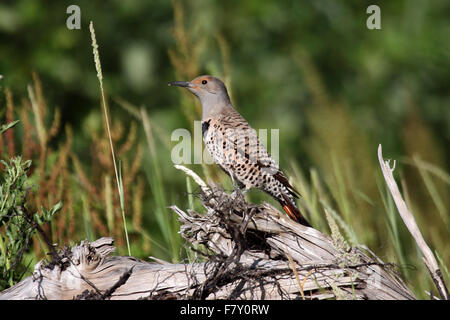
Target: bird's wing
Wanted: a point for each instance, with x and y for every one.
(251, 148)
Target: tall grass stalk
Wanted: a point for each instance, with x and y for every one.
(444, 268)
(98, 67)
(38, 117)
(391, 219)
(168, 228)
(153, 173)
(87, 219)
(308, 196)
(190, 195)
(433, 191)
(109, 204)
(339, 188)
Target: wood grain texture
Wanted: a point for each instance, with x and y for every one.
(243, 252)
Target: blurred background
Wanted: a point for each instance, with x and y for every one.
(311, 69)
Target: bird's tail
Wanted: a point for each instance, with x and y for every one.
(292, 211)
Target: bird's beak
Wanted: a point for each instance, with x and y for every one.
(184, 84)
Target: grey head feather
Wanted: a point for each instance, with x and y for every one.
(211, 92)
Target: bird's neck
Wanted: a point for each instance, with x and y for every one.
(215, 109)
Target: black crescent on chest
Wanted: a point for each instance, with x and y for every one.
(205, 127)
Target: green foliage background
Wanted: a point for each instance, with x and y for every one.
(309, 68)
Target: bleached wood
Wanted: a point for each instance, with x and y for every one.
(410, 222)
(261, 271)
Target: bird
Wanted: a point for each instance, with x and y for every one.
(235, 147)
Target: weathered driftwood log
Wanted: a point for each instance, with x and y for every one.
(243, 252)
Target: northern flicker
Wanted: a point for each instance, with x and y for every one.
(234, 146)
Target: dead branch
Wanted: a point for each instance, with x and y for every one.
(243, 252)
(410, 222)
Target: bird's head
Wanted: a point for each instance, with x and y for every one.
(210, 90)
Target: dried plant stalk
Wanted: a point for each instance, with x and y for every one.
(410, 222)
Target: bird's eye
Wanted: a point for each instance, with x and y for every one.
(204, 82)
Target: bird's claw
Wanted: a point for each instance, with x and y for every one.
(238, 192)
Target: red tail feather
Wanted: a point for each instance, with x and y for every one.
(292, 211)
(295, 214)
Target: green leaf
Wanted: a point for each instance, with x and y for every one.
(8, 126)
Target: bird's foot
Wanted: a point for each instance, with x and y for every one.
(238, 192)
